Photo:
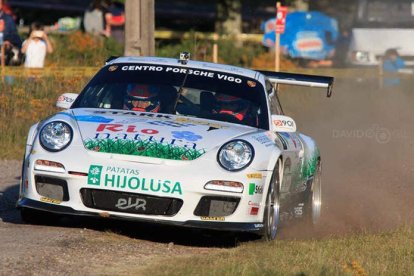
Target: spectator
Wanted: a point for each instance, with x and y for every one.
(93, 19)
(115, 21)
(36, 47)
(9, 36)
(341, 49)
(392, 63)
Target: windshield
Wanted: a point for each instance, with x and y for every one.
(154, 88)
(385, 14)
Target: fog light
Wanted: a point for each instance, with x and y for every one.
(224, 186)
(49, 166)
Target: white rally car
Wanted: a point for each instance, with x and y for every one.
(177, 142)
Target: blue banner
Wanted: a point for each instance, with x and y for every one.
(308, 35)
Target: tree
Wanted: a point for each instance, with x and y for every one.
(229, 19)
(139, 28)
(300, 5)
(342, 10)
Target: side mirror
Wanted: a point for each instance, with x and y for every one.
(281, 123)
(66, 100)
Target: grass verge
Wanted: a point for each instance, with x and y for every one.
(389, 253)
(24, 102)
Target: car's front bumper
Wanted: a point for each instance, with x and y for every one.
(65, 210)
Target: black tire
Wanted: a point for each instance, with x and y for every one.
(314, 198)
(271, 216)
(32, 216)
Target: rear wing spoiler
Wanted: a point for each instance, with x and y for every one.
(301, 80)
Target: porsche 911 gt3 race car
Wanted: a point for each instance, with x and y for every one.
(175, 141)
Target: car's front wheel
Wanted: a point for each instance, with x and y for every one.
(313, 204)
(271, 214)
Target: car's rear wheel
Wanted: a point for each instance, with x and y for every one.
(271, 214)
(313, 205)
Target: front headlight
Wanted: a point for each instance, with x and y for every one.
(235, 155)
(55, 136)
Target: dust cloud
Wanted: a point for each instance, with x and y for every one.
(365, 136)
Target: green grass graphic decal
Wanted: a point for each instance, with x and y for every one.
(143, 148)
(309, 168)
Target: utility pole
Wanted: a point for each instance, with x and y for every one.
(139, 28)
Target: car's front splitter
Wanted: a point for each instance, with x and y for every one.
(212, 225)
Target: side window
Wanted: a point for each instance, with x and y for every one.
(275, 107)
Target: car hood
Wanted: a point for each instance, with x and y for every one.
(153, 134)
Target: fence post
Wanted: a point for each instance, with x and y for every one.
(3, 62)
(381, 73)
(277, 44)
(215, 48)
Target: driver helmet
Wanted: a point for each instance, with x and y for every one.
(234, 106)
(142, 98)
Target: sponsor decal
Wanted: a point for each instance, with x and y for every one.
(50, 200)
(284, 123)
(93, 119)
(128, 139)
(170, 123)
(142, 68)
(258, 225)
(290, 139)
(125, 204)
(309, 44)
(112, 68)
(94, 175)
(161, 119)
(134, 137)
(211, 126)
(124, 128)
(298, 210)
(255, 175)
(255, 189)
(213, 218)
(254, 211)
(283, 141)
(125, 178)
(148, 148)
(251, 203)
(63, 98)
(186, 135)
(251, 83)
(128, 121)
(122, 170)
(132, 113)
(180, 70)
(263, 140)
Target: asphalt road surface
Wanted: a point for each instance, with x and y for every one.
(365, 135)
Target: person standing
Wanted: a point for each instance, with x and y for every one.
(9, 29)
(36, 47)
(9, 37)
(115, 21)
(392, 63)
(93, 19)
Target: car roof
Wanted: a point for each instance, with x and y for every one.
(191, 63)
